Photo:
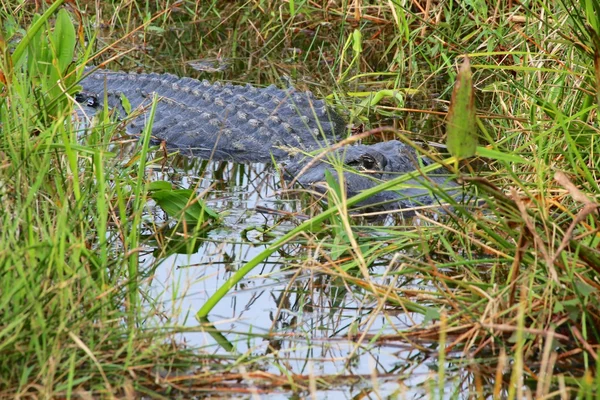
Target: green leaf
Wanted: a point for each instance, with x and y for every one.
(156, 29)
(340, 244)
(558, 307)
(38, 58)
(585, 289)
(333, 184)
(357, 42)
(375, 98)
(461, 125)
(431, 314)
(498, 155)
(159, 185)
(64, 40)
(126, 104)
(184, 204)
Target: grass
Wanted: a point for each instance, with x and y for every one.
(504, 295)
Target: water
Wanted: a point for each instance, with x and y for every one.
(287, 312)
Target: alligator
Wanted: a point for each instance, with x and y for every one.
(247, 124)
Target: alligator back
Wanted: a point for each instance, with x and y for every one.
(214, 120)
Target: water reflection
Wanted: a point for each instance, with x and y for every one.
(286, 312)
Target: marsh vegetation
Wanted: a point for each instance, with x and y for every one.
(106, 291)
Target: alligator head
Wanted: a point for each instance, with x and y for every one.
(365, 166)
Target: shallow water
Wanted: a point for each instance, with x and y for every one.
(311, 319)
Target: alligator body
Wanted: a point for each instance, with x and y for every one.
(220, 121)
(248, 124)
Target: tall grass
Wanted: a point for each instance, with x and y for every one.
(72, 320)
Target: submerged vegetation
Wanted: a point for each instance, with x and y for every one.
(497, 297)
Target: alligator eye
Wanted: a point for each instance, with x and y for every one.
(92, 101)
(365, 162)
(368, 162)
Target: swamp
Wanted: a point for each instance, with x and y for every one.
(130, 269)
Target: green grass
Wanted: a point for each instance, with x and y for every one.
(508, 290)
